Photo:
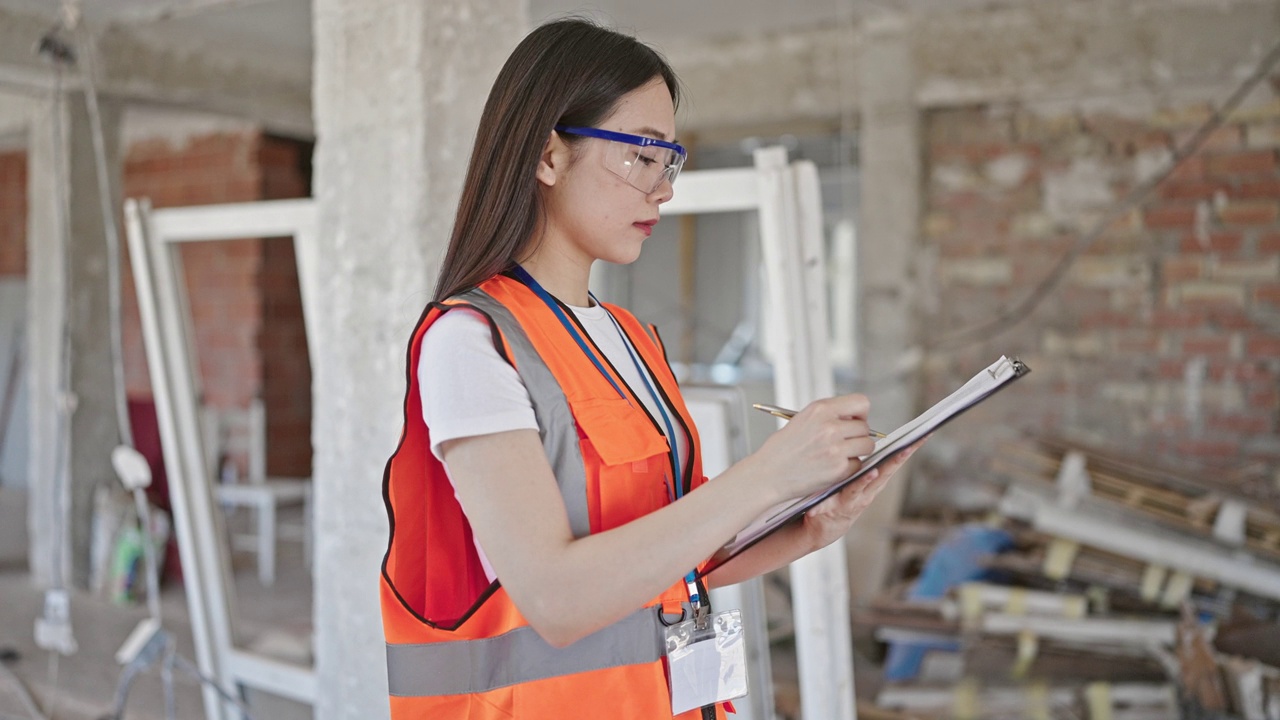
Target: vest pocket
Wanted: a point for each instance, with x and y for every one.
(628, 458)
(619, 432)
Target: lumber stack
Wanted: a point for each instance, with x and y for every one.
(1125, 590)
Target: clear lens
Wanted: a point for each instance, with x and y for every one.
(645, 168)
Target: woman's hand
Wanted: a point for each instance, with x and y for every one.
(818, 447)
(830, 519)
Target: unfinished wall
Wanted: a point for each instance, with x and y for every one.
(282, 342)
(1036, 117)
(1164, 338)
(13, 214)
(245, 304)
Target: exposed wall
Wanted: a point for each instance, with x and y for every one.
(282, 342)
(13, 214)
(1164, 338)
(244, 294)
(1036, 118)
(220, 277)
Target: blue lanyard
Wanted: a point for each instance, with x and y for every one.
(691, 578)
(524, 277)
(657, 402)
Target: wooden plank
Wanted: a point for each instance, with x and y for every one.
(1092, 526)
(1194, 512)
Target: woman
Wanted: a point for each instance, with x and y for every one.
(547, 502)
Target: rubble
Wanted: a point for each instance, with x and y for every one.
(1123, 590)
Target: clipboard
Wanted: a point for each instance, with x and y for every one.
(986, 383)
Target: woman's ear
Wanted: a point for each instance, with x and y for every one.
(554, 160)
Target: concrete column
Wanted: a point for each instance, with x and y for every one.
(46, 290)
(69, 303)
(889, 138)
(399, 85)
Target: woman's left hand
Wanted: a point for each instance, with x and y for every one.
(830, 519)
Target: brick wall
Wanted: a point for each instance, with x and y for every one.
(245, 302)
(13, 213)
(1164, 337)
(220, 276)
(239, 290)
(282, 343)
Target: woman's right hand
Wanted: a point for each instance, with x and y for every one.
(819, 446)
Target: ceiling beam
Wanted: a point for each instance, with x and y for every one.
(133, 70)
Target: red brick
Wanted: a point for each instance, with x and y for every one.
(1208, 448)
(1250, 213)
(1178, 319)
(1192, 168)
(1265, 398)
(1252, 162)
(1263, 345)
(1180, 268)
(1217, 242)
(1241, 424)
(1267, 294)
(1192, 189)
(973, 153)
(1262, 189)
(1170, 369)
(1229, 318)
(1206, 345)
(1179, 216)
(13, 207)
(1169, 424)
(1226, 137)
(1269, 243)
(1135, 343)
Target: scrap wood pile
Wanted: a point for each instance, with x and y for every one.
(1100, 587)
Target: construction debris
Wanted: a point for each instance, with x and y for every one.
(1121, 590)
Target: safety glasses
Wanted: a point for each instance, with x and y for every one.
(642, 161)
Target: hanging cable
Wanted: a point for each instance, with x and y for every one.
(1011, 316)
(65, 400)
(111, 231)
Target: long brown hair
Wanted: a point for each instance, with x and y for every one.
(570, 72)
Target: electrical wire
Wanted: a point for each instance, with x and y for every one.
(59, 506)
(87, 54)
(1011, 316)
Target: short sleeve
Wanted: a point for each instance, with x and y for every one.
(467, 388)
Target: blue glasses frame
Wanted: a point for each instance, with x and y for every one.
(628, 138)
(671, 164)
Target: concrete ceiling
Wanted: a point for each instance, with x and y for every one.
(276, 34)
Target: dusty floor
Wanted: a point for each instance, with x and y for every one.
(275, 620)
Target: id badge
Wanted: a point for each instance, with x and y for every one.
(706, 660)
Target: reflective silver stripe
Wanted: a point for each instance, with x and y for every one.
(472, 666)
(555, 421)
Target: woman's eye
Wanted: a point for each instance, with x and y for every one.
(646, 160)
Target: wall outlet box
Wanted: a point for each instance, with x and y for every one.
(53, 629)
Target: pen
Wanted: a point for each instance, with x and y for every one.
(786, 414)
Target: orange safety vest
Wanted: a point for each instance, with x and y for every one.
(457, 647)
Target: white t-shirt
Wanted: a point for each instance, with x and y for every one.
(468, 389)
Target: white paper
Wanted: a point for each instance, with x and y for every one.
(978, 387)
